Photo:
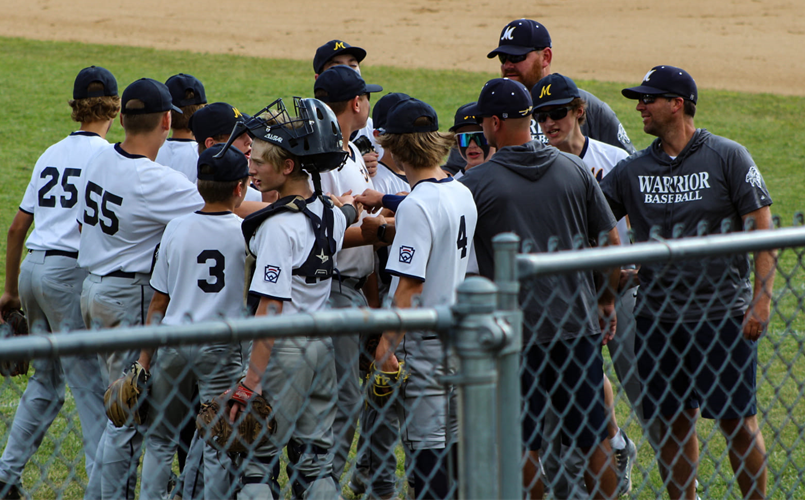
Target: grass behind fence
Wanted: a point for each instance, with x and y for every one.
(36, 83)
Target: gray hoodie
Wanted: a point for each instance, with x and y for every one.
(551, 200)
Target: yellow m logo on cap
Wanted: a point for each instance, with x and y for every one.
(238, 114)
(339, 45)
(545, 91)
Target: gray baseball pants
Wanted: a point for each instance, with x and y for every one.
(215, 368)
(109, 302)
(300, 382)
(49, 291)
(342, 296)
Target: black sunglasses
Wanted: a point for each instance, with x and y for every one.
(555, 114)
(516, 59)
(649, 98)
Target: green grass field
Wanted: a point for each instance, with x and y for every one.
(37, 82)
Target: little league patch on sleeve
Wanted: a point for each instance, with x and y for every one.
(406, 254)
(272, 273)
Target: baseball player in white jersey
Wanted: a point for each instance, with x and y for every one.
(180, 150)
(435, 225)
(339, 53)
(50, 280)
(128, 200)
(203, 279)
(294, 241)
(376, 462)
(560, 110)
(347, 94)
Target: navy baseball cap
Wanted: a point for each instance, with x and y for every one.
(520, 37)
(381, 108)
(154, 95)
(180, 84)
(90, 75)
(342, 83)
(504, 98)
(464, 116)
(403, 118)
(332, 49)
(665, 80)
(218, 118)
(231, 166)
(554, 90)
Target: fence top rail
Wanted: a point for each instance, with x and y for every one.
(318, 324)
(543, 264)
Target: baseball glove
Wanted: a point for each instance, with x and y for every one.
(253, 424)
(18, 326)
(125, 398)
(383, 384)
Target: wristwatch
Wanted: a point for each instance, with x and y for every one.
(381, 233)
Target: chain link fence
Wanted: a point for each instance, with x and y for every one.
(506, 372)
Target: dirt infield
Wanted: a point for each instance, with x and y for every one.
(743, 45)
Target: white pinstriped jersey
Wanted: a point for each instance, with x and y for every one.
(128, 200)
(435, 226)
(355, 262)
(283, 243)
(180, 155)
(388, 182)
(203, 276)
(601, 158)
(54, 191)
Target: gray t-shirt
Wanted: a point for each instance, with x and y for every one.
(551, 200)
(713, 180)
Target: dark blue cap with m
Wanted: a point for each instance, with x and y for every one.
(665, 80)
(218, 118)
(520, 37)
(410, 116)
(380, 110)
(554, 90)
(154, 96)
(332, 49)
(464, 116)
(231, 166)
(182, 85)
(503, 98)
(94, 74)
(342, 83)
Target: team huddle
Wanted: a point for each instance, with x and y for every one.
(339, 202)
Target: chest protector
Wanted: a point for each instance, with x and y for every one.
(319, 263)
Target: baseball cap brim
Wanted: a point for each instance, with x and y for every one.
(174, 108)
(475, 111)
(372, 88)
(555, 102)
(512, 50)
(636, 92)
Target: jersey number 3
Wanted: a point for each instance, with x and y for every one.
(216, 270)
(106, 198)
(461, 243)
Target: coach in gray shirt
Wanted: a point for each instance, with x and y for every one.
(697, 321)
(548, 198)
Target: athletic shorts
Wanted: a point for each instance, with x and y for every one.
(707, 365)
(571, 374)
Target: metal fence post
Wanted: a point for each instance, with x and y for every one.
(510, 434)
(476, 341)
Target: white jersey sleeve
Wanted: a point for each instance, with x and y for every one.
(601, 158)
(253, 194)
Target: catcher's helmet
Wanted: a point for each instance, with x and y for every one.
(313, 135)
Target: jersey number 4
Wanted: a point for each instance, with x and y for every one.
(461, 243)
(216, 270)
(106, 198)
(53, 173)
